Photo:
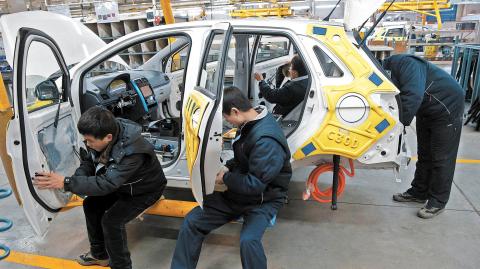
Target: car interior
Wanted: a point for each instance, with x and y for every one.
(149, 91)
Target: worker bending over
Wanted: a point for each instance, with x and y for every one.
(437, 101)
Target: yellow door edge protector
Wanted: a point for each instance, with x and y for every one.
(6, 114)
(194, 108)
(338, 137)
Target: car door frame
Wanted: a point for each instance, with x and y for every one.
(219, 97)
(302, 51)
(26, 37)
(208, 151)
(253, 64)
(116, 47)
(24, 34)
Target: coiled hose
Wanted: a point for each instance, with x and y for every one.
(6, 224)
(325, 196)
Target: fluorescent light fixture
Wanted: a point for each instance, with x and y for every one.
(216, 11)
(300, 7)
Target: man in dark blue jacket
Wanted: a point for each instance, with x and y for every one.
(257, 181)
(437, 101)
(122, 177)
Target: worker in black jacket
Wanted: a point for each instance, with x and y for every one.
(437, 101)
(257, 181)
(121, 176)
(292, 93)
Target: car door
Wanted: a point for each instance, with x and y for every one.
(203, 114)
(42, 136)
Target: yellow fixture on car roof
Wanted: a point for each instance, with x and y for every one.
(334, 136)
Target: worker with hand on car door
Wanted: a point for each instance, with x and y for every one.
(292, 93)
(121, 176)
(257, 181)
(437, 101)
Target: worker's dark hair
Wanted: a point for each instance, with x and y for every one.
(385, 63)
(97, 122)
(234, 98)
(298, 65)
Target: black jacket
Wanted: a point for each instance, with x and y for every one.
(426, 90)
(287, 97)
(133, 167)
(260, 170)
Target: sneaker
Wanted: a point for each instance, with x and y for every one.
(428, 212)
(407, 197)
(87, 260)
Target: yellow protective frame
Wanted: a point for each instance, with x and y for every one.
(196, 101)
(334, 137)
(6, 114)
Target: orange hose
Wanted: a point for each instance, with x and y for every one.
(325, 196)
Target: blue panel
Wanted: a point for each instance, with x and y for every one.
(446, 14)
(319, 31)
(308, 149)
(140, 95)
(382, 126)
(375, 79)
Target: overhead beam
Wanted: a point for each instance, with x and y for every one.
(417, 5)
(422, 7)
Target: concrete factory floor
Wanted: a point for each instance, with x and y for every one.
(368, 230)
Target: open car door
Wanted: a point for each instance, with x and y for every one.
(30, 134)
(203, 115)
(42, 136)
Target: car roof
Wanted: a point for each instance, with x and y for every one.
(295, 25)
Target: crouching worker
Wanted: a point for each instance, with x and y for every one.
(257, 181)
(121, 176)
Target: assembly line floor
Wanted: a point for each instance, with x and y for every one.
(368, 230)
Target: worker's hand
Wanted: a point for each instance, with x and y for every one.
(220, 174)
(48, 180)
(258, 77)
(225, 169)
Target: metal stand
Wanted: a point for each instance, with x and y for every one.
(336, 170)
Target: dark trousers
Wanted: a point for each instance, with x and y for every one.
(437, 153)
(217, 212)
(106, 217)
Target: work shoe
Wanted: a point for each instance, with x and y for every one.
(428, 212)
(87, 259)
(407, 197)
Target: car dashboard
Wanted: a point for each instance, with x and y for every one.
(132, 94)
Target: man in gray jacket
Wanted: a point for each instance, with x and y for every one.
(121, 176)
